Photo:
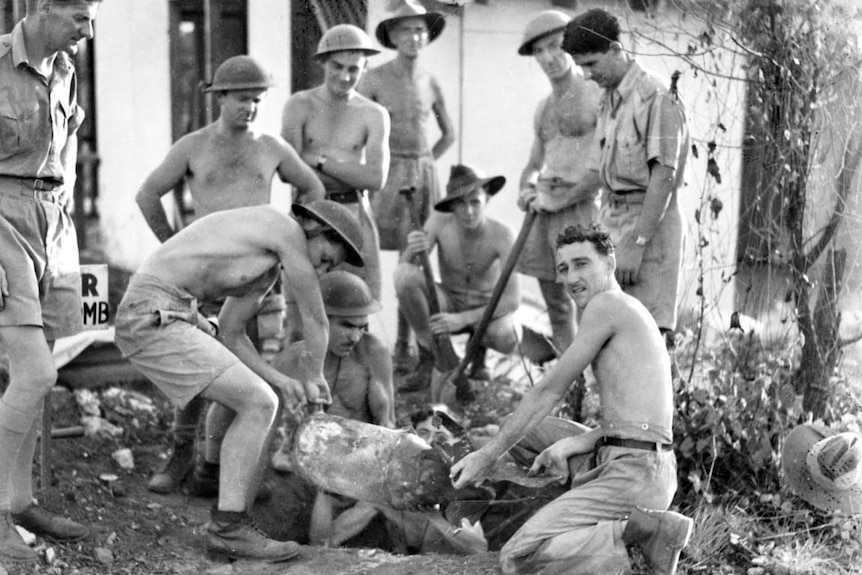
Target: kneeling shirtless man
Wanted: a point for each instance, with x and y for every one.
(623, 473)
(236, 255)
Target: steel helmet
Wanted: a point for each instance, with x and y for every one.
(545, 24)
(346, 295)
(344, 38)
(341, 221)
(240, 73)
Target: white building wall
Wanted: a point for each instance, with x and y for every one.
(133, 117)
(269, 42)
(491, 93)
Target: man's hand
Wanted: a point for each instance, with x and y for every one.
(292, 392)
(317, 390)
(526, 197)
(553, 461)
(473, 468)
(544, 205)
(417, 242)
(4, 288)
(446, 323)
(628, 264)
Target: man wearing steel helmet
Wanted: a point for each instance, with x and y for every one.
(236, 255)
(40, 283)
(562, 131)
(413, 97)
(358, 370)
(343, 135)
(227, 164)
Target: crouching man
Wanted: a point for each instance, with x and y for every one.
(236, 255)
(623, 473)
(472, 249)
(358, 370)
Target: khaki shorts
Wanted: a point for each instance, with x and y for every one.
(161, 332)
(659, 275)
(39, 253)
(391, 210)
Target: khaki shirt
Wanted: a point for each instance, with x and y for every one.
(640, 121)
(37, 115)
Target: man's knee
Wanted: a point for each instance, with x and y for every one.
(407, 280)
(504, 335)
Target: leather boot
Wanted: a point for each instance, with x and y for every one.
(661, 535)
(43, 523)
(12, 546)
(233, 535)
(175, 470)
(421, 377)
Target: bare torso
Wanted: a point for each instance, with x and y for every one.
(349, 378)
(409, 100)
(469, 261)
(215, 257)
(633, 371)
(335, 128)
(227, 172)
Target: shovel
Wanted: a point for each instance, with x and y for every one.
(462, 385)
(445, 358)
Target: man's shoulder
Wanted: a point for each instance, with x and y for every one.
(498, 229)
(371, 348)
(302, 98)
(648, 84)
(367, 105)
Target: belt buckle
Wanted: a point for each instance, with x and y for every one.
(39, 185)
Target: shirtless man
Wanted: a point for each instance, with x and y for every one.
(623, 473)
(412, 96)
(237, 255)
(358, 370)
(343, 135)
(228, 164)
(472, 249)
(563, 129)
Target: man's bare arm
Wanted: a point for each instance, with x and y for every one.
(381, 391)
(293, 120)
(169, 174)
(69, 159)
(303, 284)
(535, 163)
(292, 170)
(372, 174)
(586, 189)
(597, 326)
(444, 122)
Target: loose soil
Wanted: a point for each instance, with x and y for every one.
(136, 532)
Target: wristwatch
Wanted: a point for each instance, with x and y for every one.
(320, 161)
(641, 241)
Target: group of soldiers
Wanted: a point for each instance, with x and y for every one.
(609, 146)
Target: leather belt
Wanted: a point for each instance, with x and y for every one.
(344, 197)
(633, 444)
(35, 184)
